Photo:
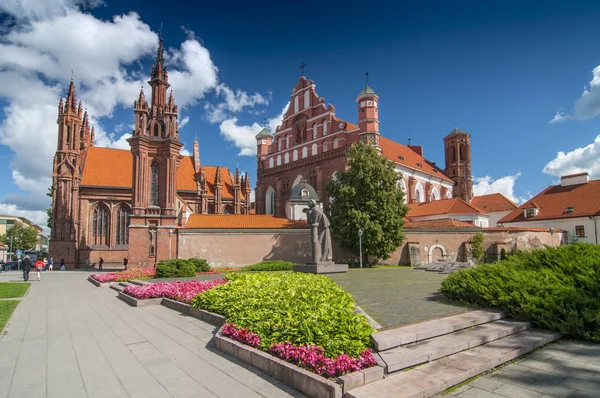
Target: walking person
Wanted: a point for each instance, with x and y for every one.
(50, 264)
(100, 263)
(26, 268)
(62, 264)
(125, 262)
(39, 267)
(87, 264)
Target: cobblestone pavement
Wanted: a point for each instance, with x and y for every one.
(397, 296)
(68, 338)
(564, 369)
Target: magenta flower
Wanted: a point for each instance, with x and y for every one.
(179, 291)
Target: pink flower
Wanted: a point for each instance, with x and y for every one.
(179, 291)
(125, 275)
(242, 335)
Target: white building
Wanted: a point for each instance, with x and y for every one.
(573, 206)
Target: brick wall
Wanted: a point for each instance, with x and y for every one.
(245, 247)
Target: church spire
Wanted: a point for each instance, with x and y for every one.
(71, 100)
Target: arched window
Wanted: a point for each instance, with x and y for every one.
(419, 195)
(278, 160)
(325, 146)
(324, 127)
(304, 193)
(295, 155)
(296, 104)
(449, 194)
(271, 163)
(279, 144)
(121, 226)
(68, 134)
(435, 195)
(228, 209)
(314, 149)
(270, 201)
(154, 185)
(304, 152)
(99, 226)
(156, 129)
(461, 152)
(306, 99)
(286, 158)
(314, 129)
(402, 186)
(288, 141)
(336, 143)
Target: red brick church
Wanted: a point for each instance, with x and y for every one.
(114, 203)
(312, 142)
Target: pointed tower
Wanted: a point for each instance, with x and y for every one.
(66, 177)
(246, 191)
(155, 148)
(457, 148)
(368, 116)
(218, 184)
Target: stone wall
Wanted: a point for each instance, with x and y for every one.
(245, 246)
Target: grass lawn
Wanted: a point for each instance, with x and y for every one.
(6, 309)
(12, 289)
(396, 295)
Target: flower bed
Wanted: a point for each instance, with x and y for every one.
(123, 276)
(305, 319)
(179, 291)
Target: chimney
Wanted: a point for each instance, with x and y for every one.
(417, 149)
(574, 179)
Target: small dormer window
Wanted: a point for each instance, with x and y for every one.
(401, 157)
(304, 193)
(530, 213)
(570, 209)
(420, 164)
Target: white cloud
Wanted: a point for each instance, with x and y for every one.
(184, 121)
(35, 9)
(504, 185)
(585, 159)
(588, 104)
(234, 102)
(184, 152)
(243, 137)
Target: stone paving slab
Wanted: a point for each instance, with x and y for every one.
(68, 338)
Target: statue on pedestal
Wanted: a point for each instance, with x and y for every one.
(320, 236)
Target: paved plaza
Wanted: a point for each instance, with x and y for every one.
(397, 296)
(68, 338)
(563, 369)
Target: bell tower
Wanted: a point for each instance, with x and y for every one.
(155, 148)
(457, 149)
(368, 116)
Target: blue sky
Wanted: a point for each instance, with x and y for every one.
(501, 71)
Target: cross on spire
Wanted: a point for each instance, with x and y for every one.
(367, 77)
(302, 66)
(265, 123)
(161, 30)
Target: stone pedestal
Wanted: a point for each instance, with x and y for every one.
(321, 268)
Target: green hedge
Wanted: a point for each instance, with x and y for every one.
(200, 264)
(270, 265)
(175, 268)
(296, 307)
(555, 288)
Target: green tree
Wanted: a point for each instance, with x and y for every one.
(23, 237)
(49, 210)
(366, 196)
(477, 249)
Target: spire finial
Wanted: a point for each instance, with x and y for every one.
(302, 66)
(367, 77)
(161, 31)
(409, 142)
(72, 73)
(265, 123)
(196, 139)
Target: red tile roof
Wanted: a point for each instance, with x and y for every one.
(443, 206)
(441, 223)
(107, 167)
(242, 221)
(527, 229)
(493, 202)
(405, 156)
(554, 201)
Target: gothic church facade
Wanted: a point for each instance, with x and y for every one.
(114, 203)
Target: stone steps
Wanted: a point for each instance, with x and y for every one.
(119, 287)
(138, 282)
(435, 377)
(387, 339)
(405, 356)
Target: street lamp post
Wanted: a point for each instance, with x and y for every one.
(552, 235)
(360, 245)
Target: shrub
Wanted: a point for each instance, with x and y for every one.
(477, 249)
(555, 288)
(175, 268)
(270, 265)
(200, 264)
(295, 307)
